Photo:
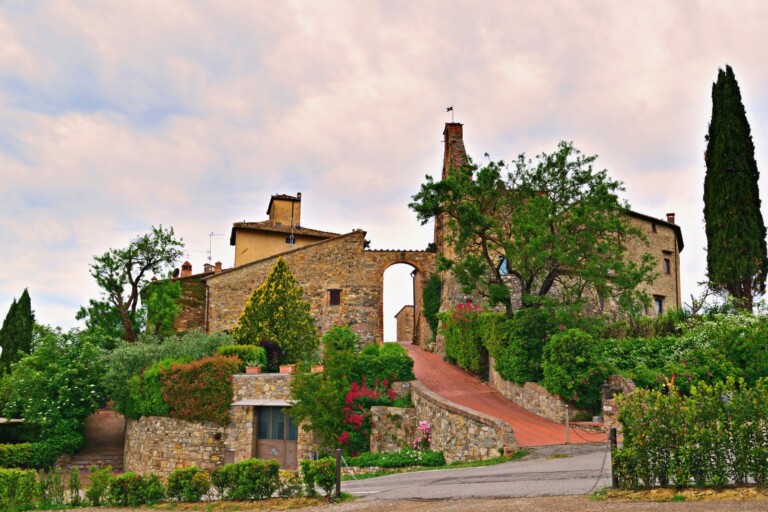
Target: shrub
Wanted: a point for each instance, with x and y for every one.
(74, 486)
(146, 391)
(462, 338)
(325, 474)
(431, 295)
(51, 486)
(251, 479)
(97, 491)
(572, 369)
(389, 361)
(290, 484)
(132, 489)
(520, 359)
(251, 355)
(407, 457)
(18, 488)
(16, 455)
(188, 484)
(200, 390)
(308, 476)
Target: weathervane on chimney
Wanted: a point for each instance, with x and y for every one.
(450, 109)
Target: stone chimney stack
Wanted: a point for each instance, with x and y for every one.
(217, 267)
(186, 269)
(671, 218)
(207, 267)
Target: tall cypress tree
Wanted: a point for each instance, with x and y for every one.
(736, 248)
(16, 332)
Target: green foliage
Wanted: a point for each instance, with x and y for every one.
(250, 479)
(16, 332)
(160, 299)
(54, 389)
(736, 247)
(390, 361)
(51, 486)
(554, 221)
(290, 484)
(132, 490)
(104, 322)
(122, 274)
(16, 455)
(188, 484)
(277, 311)
(251, 355)
(528, 331)
(130, 359)
(146, 391)
(572, 368)
(431, 295)
(463, 342)
(325, 474)
(711, 437)
(308, 476)
(200, 390)
(74, 486)
(97, 491)
(18, 489)
(407, 457)
(319, 397)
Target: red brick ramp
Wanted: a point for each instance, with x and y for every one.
(463, 388)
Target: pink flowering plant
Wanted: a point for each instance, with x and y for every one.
(357, 412)
(423, 436)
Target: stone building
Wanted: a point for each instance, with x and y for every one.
(404, 319)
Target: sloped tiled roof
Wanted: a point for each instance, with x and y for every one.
(269, 226)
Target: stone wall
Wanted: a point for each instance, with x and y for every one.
(532, 397)
(616, 385)
(340, 263)
(161, 444)
(404, 319)
(461, 433)
(192, 303)
(392, 428)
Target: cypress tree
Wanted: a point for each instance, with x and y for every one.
(736, 248)
(16, 332)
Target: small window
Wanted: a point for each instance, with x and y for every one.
(276, 425)
(667, 267)
(653, 227)
(290, 239)
(334, 297)
(659, 303)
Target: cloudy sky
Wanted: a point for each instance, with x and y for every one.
(117, 116)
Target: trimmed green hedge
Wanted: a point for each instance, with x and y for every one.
(17, 455)
(188, 484)
(251, 355)
(132, 490)
(18, 488)
(251, 479)
(404, 458)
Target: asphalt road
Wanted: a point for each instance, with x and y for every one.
(548, 471)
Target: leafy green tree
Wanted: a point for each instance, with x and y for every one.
(736, 248)
(276, 311)
(16, 332)
(123, 273)
(556, 223)
(103, 321)
(56, 387)
(319, 397)
(161, 302)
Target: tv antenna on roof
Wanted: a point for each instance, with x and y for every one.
(209, 252)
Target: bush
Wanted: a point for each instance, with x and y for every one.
(146, 391)
(251, 355)
(431, 295)
(463, 343)
(325, 474)
(131, 490)
(17, 455)
(572, 369)
(200, 390)
(74, 487)
(251, 479)
(389, 361)
(520, 360)
(405, 458)
(308, 476)
(51, 486)
(18, 488)
(290, 484)
(97, 491)
(188, 484)
(713, 437)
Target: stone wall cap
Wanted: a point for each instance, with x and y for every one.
(261, 402)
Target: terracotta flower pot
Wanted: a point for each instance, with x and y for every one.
(317, 368)
(287, 368)
(252, 370)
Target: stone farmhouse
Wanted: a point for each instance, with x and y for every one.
(343, 279)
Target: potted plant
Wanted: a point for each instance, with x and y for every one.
(287, 368)
(252, 367)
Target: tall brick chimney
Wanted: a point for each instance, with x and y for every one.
(671, 218)
(186, 269)
(217, 267)
(454, 157)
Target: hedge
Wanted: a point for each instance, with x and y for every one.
(18, 488)
(321, 472)
(716, 435)
(17, 455)
(132, 490)
(251, 479)
(188, 484)
(251, 355)
(404, 458)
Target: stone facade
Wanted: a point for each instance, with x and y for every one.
(532, 397)
(404, 319)
(461, 433)
(339, 263)
(393, 428)
(616, 385)
(161, 444)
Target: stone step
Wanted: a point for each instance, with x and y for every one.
(84, 462)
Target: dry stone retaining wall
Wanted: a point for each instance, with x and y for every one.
(393, 428)
(532, 397)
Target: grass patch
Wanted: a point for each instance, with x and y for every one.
(557, 456)
(236, 506)
(665, 495)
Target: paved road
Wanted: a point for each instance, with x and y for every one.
(548, 471)
(461, 387)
